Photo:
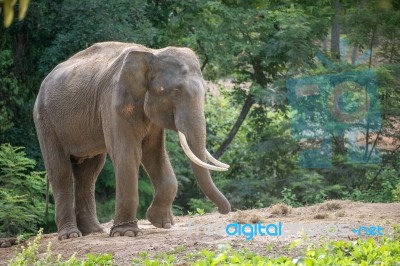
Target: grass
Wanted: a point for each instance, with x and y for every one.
(384, 251)
(340, 214)
(29, 255)
(244, 218)
(381, 251)
(331, 205)
(281, 209)
(321, 216)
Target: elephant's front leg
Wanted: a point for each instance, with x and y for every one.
(156, 162)
(125, 152)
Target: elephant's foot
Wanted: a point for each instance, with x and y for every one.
(126, 229)
(160, 217)
(70, 232)
(90, 227)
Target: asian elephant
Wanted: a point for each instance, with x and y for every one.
(118, 98)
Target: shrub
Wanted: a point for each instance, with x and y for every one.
(29, 255)
(396, 193)
(22, 192)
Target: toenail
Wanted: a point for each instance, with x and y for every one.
(167, 226)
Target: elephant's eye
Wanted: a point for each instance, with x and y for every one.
(177, 91)
(178, 88)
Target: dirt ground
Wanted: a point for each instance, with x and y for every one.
(182, 238)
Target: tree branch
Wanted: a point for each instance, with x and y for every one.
(239, 121)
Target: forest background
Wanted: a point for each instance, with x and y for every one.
(248, 51)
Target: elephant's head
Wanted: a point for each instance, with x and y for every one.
(174, 90)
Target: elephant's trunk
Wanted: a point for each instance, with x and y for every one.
(194, 130)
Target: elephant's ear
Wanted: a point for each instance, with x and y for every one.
(134, 74)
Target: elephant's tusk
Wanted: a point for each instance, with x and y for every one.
(193, 158)
(215, 161)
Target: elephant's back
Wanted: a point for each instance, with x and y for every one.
(88, 66)
(106, 50)
(71, 93)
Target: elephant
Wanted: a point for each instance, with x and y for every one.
(118, 99)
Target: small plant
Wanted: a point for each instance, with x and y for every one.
(205, 205)
(396, 193)
(289, 197)
(29, 255)
(199, 211)
(396, 232)
(361, 252)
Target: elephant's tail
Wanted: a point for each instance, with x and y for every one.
(46, 212)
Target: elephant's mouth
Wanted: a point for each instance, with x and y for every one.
(218, 166)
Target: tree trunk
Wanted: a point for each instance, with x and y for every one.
(325, 44)
(354, 54)
(371, 46)
(239, 121)
(335, 31)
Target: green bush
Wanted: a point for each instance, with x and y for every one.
(385, 251)
(396, 193)
(205, 205)
(382, 251)
(9, 90)
(22, 193)
(378, 188)
(29, 255)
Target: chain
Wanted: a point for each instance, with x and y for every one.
(134, 222)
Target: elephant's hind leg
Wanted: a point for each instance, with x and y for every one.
(85, 175)
(59, 172)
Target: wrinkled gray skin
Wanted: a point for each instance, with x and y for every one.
(118, 98)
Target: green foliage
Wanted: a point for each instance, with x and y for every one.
(22, 192)
(256, 45)
(201, 206)
(200, 211)
(9, 90)
(396, 193)
(83, 23)
(30, 255)
(289, 198)
(384, 251)
(378, 187)
(362, 252)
